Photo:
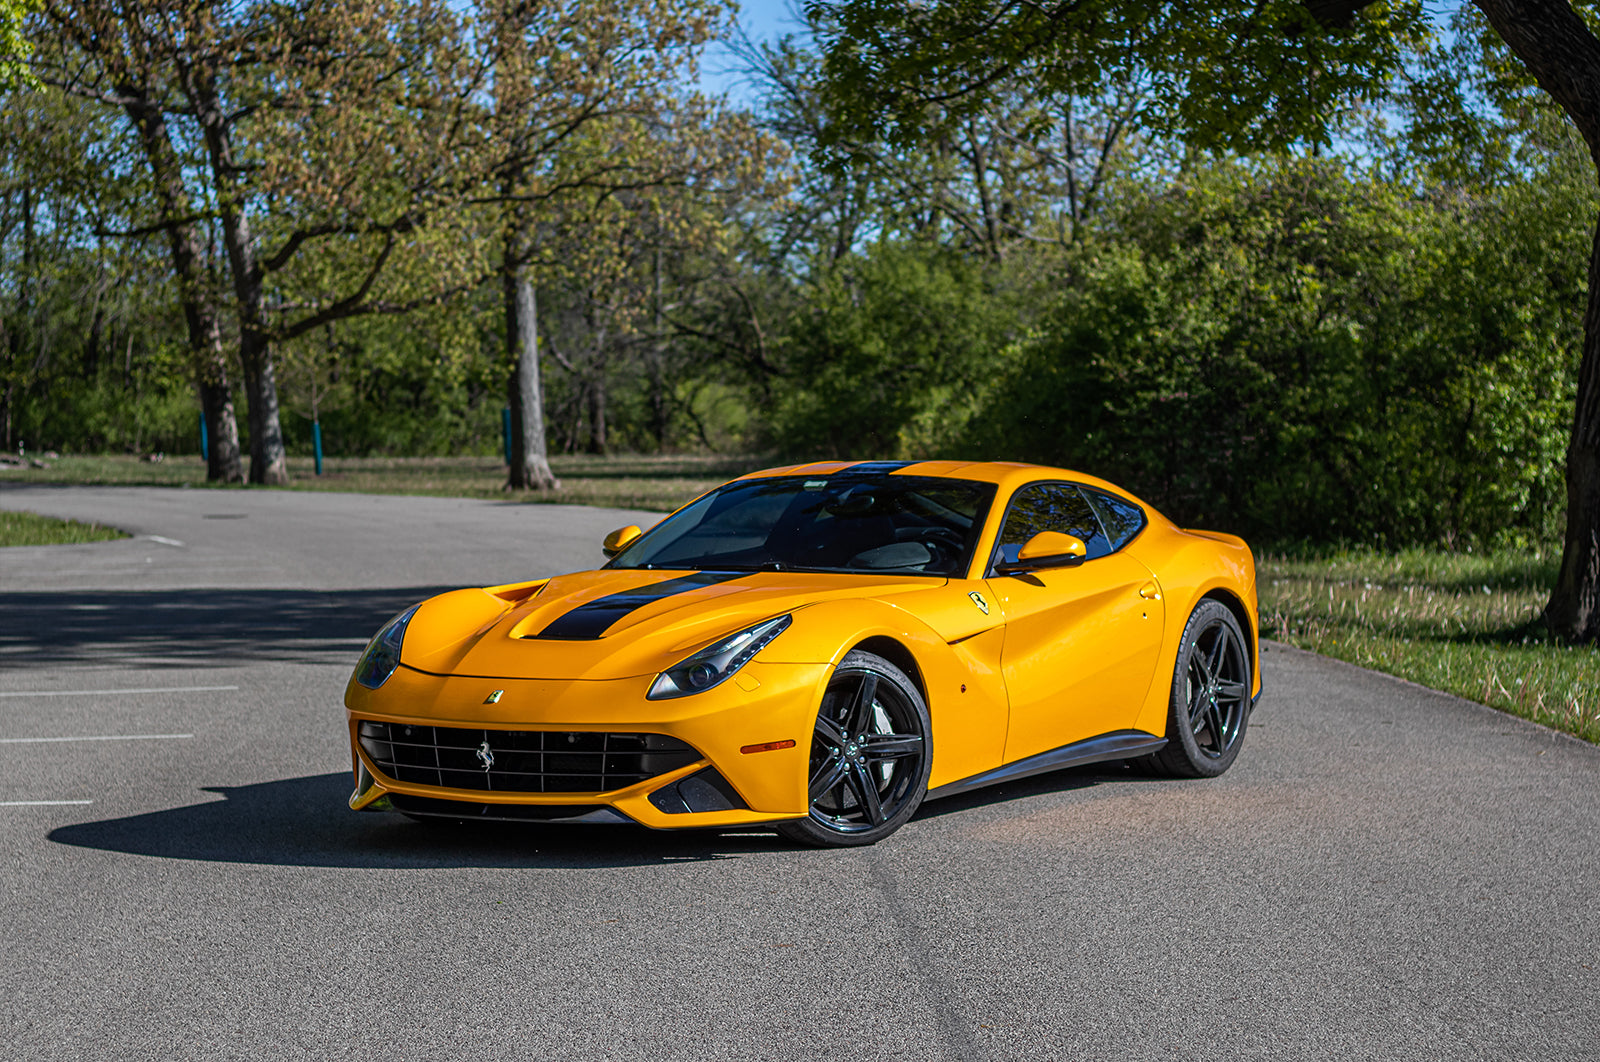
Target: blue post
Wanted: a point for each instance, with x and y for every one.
(505, 432)
(316, 443)
(205, 442)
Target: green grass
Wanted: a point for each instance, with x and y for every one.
(624, 482)
(30, 529)
(1458, 622)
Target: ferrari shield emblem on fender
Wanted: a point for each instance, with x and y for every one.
(977, 599)
(494, 698)
(486, 756)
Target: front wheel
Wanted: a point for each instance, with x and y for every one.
(1210, 704)
(871, 752)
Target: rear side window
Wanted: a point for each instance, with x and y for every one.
(1121, 519)
(1059, 507)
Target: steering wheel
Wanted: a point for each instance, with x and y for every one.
(944, 543)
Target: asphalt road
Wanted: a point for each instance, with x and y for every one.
(1387, 872)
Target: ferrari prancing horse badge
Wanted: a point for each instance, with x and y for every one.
(977, 599)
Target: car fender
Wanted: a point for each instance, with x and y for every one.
(961, 683)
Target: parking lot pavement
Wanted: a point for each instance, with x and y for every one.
(1387, 873)
(238, 539)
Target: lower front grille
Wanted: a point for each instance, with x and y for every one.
(430, 808)
(520, 761)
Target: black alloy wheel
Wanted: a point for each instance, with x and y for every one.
(1210, 705)
(871, 752)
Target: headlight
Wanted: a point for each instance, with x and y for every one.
(713, 665)
(383, 652)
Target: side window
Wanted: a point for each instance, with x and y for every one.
(1121, 519)
(1050, 507)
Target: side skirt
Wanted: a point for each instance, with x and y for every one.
(1117, 745)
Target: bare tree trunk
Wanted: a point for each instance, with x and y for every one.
(597, 415)
(660, 416)
(18, 336)
(1573, 611)
(269, 463)
(530, 463)
(199, 312)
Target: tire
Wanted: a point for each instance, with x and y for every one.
(1210, 703)
(871, 751)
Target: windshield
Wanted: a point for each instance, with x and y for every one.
(862, 523)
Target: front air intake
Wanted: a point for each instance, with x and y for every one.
(519, 761)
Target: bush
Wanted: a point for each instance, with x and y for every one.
(1290, 352)
(888, 346)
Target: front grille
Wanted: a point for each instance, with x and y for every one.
(520, 761)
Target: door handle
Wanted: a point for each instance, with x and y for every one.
(1150, 591)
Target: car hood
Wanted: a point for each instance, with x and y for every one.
(614, 623)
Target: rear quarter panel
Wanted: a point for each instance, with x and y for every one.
(1191, 565)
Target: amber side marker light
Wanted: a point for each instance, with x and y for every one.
(770, 746)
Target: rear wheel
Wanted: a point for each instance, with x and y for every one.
(1210, 703)
(870, 755)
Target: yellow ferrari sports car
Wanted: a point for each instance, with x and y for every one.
(820, 647)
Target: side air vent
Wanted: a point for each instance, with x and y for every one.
(704, 790)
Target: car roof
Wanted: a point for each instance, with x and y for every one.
(1007, 475)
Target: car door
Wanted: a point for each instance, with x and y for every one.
(1081, 642)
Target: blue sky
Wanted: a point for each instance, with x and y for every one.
(763, 20)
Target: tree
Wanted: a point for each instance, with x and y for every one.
(1560, 50)
(1563, 55)
(306, 132)
(1241, 73)
(129, 82)
(91, 341)
(1029, 165)
(1253, 76)
(635, 262)
(570, 87)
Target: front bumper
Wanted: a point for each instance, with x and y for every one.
(763, 705)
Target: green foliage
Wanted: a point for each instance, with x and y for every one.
(1260, 74)
(1287, 351)
(1468, 114)
(431, 383)
(885, 342)
(15, 47)
(91, 353)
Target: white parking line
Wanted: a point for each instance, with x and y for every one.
(164, 541)
(96, 737)
(108, 693)
(40, 803)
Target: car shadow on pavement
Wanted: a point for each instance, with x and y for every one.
(1062, 781)
(304, 822)
(195, 628)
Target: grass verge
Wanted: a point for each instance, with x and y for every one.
(1458, 622)
(659, 483)
(30, 529)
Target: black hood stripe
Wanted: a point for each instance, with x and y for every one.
(592, 620)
